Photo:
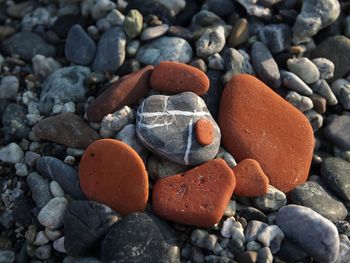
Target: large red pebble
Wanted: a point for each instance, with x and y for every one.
(126, 91)
(112, 173)
(197, 197)
(204, 131)
(257, 123)
(250, 179)
(174, 77)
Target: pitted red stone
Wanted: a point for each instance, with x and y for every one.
(204, 131)
(197, 197)
(257, 123)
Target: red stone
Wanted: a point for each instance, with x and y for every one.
(197, 197)
(126, 91)
(112, 173)
(174, 77)
(257, 123)
(250, 179)
(204, 131)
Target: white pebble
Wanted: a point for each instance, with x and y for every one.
(226, 230)
(21, 169)
(41, 239)
(56, 189)
(58, 245)
(69, 160)
(12, 153)
(51, 215)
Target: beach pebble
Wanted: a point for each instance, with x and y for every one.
(304, 69)
(277, 37)
(226, 230)
(14, 124)
(211, 42)
(11, 153)
(271, 236)
(337, 132)
(341, 89)
(40, 189)
(159, 168)
(7, 256)
(204, 131)
(237, 241)
(112, 123)
(235, 62)
(240, 33)
(252, 230)
(293, 82)
(43, 252)
(56, 189)
(9, 87)
(271, 201)
(41, 239)
(322, 88)
(203, 239)
(215, 61)
(51, 215)
(133, 23)
(265, 255)
(44, 66)
(302, 103)
(154, 32)
(58, 245)
(325, 67)
(254, 9)
(315, 119)
(344, 249)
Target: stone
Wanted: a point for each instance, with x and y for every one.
(293, 82)
(110, 52)
(325, 67)
(241, 118)
(302, 103)
(51, 215)
(271, 236)
(253, 228)
(7, 256)
(315, 234)
(112, 173)
(240, 33)
(315, 15)
(67, 129)
(41, 239)
(85, 223)
(9, 87)
(322, 88)
(203, 239)
(277, 37)
(43, 252)
(271, 201)
(236, 243)
(215, 62)
(172, 77)
(344, 249)
(56, 190)
(63, 85)
(213, 96)
(43, 66)
(80, 48)
(247, 257)
(318, 198)
(165, 49)
(65, 175)
(26, 45)
(220, 7)
(154, 32)
(228, 224)
(205, 18)
(254, 9)
(337, 132)
(112, 123)
(265, 255)
(250, 179)
(133, 23)
(253, 246)
(315, 119)
(264, 64)
(341, 89)
(195, 197)
(320, 103)
(211, 42)
(291, 251)
(165, 124)
(304, 69)
(40, 189)
(14, 122)
(335, 172)
(236, 62)
(140, 237)
(228, 158)
(53, 234)
(125, 91)
(159, 168)
(204, 130)
(11, 153)
(58, 245)
(336, 49)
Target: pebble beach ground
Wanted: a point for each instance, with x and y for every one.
(175, 131)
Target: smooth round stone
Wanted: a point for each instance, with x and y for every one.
(341, 89)
(204, 131)
(318, 198)
(112, 173)
(56, 190)
(322, 88)
(325, 67)
(80, 48)
(197, 197)
(110, 53)
(165, 124)
(255, 122)
(124, 92)
(213, 96)
(304, 69)
(133, 23)
(337, 132)
(159, 168)
(51, 215)
(140, 237)
(271, 201)
(40, 189)
(27, 45)
(173, 78)
(335, 172)
(293, 82)
(250, 179)
(154, 32)
(240, 33)
(220, 7)
(165, 49)
(236, 62)
(315, 234)
(11, 153)
(7, 256)
(277, 37)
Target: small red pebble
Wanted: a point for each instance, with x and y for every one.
(250, 179)
(197, 197)
(204, 131)
(174, 77)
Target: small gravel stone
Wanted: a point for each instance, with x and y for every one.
(7, 256)
(159, 168)
(228, 158)
(341, 89)
(337, 132)
(112, 123)
(9, 87)
(41, 239)
(344, 249)
(51, 215)
(271, 236)
(325, 67)
(44, 66)
(293, 82)
(53, 234)
(240, 33)
(304, 69)
(132, 48)
(43, 252)
(236, 62)
(133, 23)
(272, 201)
(154, 32)
(253, 246)
(315, 119)
(277, 37)
(226, 230)
(21, 169)
(303, 103)
(230, 209)
(252, 230)
(40, 189)
(238, 239)
(30, 158)
(265, 255)
(56, 189)
(11, 153)
(322, 88)
(215, 62)
(58, 245)
(211, 42)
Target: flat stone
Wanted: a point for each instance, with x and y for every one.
(112, 173)
(154, 32)
(67, 129)
(204, 131)
(40, 189)
(125, 91)
(277, 37)
(165, 124)
(245, 118)
(293, 82)
(315, 234)
(338, 132)
(322, 88)
(51, 215)
(271, 201)
(304, 69)
(197, 197)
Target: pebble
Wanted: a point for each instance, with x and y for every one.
(204, 131)
(228, 224)
(211, 42)
(344, 249)
(173, 78)
(165, 124)
(337, 132)
(235, 62)
(302, 103)
(315, 119)
(212, 97)
(240, 33)
(63, 85)
(65, 175)
(53, 234)
(255, 10)
(7, 256)
(247, 256)
(315, 234)
(11, 153)
(9, 87)
(271, 237)
(165, 49)
(293, 82)
(341, 89)
(40, 189)
(125, 91)
(265, 255)
(58, 245)
(132, 48)
(318, 198)
(304, 69)
(140, 237)
(241, 118)
(112, 123)
(250, 179)
(216, 62)
(252, 230)
(322, 88)
(264, 64)
(14, 122)
(325, 67)
(194, 198)
(51, 215)
(220, 7)
(107, 58)
(203, 239)
(227, 157)
(67, 129)
(80, 48)
(41, 239)
(253, 246)
(154, 32)
(277, 37)
(44, 66)
(85, 223)
(133, 23)
(30, 158)
(291, 251)
(56, 189)
(271, 201)
(159, 168)
(237, 241)
(104, 174)
(43, 252)
(26, 45)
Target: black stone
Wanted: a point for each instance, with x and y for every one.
(63, 24)
(22, 210)
(213, 96)
(338, 132)
(251, 213)
(185, 16)
(290, 252)
(129, 66)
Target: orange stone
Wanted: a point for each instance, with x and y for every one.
(112, 173)
(174, 77)
(197, 197)
(126, 91)
(204, 131)
(250, 179)
(257, 123)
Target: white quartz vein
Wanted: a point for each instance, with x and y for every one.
(173, 113)
(189, 142)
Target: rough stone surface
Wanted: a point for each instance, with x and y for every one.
(271, 201)
(293, 82)
(277, 37)
(337, 132)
